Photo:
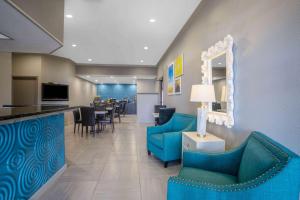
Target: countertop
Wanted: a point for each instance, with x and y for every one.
(12, 112)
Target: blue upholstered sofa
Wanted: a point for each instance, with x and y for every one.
(260, 169)
(165, 141)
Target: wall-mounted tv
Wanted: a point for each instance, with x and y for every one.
(55, 92)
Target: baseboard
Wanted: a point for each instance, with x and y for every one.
(37, 195)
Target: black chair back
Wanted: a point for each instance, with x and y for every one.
(100, 108)
(123, 109)
(88, 116)
(157, 107)
(112, 114)
(165, 114)
(76, 115)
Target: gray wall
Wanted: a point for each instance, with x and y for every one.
(146, 86)
(5, 78)
(267, 65)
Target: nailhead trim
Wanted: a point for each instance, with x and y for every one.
(270, 173)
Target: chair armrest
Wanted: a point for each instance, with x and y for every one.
(191, 127)
(172, 138)
(159, 129)
(227, 162)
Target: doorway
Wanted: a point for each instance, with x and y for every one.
(25, 90)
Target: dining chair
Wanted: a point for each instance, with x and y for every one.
(77, 120)
(99, 108)
(123, 108)
(108, 119)
(118, 112)
(88, 119)
(157, 107)
(165, 114)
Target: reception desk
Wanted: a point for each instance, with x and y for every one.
(32, 149)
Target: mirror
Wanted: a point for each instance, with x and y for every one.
(217, 69)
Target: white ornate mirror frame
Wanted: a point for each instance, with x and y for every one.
(218, 49)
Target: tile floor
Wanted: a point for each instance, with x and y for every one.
(111, 166)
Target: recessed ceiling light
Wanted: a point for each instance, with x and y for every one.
(134, 77)
(220, 63)
(111, 77)
(146, 48)
(88, 76)
(69, 16)
(74, 45)
(152, 20)
(89, 59)
(96, 80)
(141, 61)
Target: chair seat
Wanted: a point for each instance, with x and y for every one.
(157, 140)
(207, 176)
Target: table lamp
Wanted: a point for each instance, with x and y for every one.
(204, 94)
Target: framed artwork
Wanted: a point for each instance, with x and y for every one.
(171, 79)
(177, 87)
(178, 66)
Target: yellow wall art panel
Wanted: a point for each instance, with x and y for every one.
(178, 68)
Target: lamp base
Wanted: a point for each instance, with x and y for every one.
(201, 122)
(201, 135)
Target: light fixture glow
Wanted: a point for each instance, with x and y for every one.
(220, 63)
(89, 59)
(111, 77)
(88, 76)
(146, 48)
(152, 20)
(96, 80)
(69, 16)
(74, 45)
(141, 61)
(134, 77)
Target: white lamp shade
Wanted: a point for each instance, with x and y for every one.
(203, 93)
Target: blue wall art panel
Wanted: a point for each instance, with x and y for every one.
(117, 91)
(31, 152)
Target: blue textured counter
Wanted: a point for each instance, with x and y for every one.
(31, 152)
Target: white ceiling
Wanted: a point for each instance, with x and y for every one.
(98, 79)
(115, 31)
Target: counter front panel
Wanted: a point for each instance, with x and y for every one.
(31, 152)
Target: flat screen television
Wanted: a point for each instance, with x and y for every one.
(55, 92)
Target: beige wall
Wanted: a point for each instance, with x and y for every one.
(28, 65)
(60, 70)
(49, 14)
(5, 78)
(266, 65)
(54, 69)
(146, 86)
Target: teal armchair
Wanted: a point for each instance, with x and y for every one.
(259, 169)
(165, 141)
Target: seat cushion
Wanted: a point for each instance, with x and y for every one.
(157, 140)
(256, 160)
(207, 176)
